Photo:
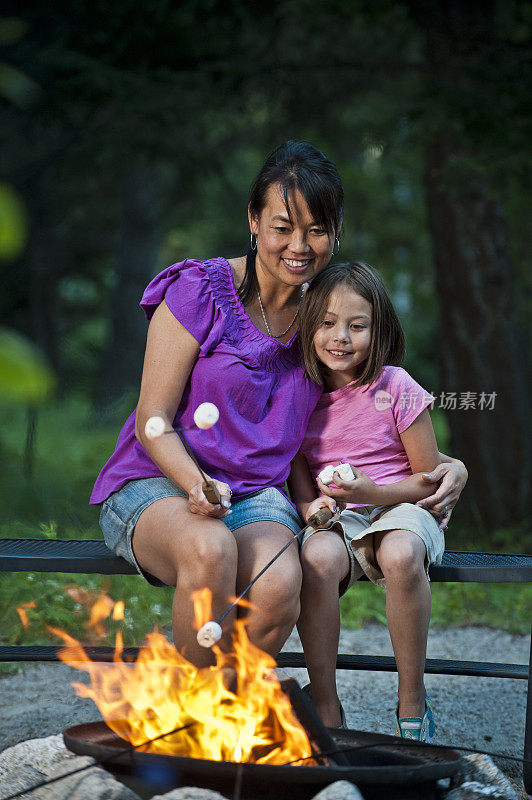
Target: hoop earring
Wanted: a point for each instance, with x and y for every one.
(253, 241)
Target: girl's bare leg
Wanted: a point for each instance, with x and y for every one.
(325, 563)
(274, 597)
(401, 557)
(190, 552)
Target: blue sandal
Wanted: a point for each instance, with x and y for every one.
(419, 729)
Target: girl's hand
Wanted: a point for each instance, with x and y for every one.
(361, 490)
(199, 504)
(452, 477)
(320, 502)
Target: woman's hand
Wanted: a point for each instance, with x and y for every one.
(452, 477)
(199, 504)
(361, 490)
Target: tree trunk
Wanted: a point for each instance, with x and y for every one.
(136, 262)
(483, 360)
(42, 265)
(480, 347)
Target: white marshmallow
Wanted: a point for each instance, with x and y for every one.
(155, 427)
(210, 633)
(345, 472)
(326, 475)
(206, 415)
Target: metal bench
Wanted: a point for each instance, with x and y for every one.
(92, 556)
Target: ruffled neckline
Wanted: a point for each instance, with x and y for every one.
(270, 353)
(242, 308)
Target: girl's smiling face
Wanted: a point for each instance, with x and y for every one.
(343, 338)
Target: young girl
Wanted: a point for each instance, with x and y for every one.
(373, 416)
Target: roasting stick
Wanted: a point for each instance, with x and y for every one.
(205, 416)
(211, 632)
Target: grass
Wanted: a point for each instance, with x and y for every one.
(47, 496)
(505, 606)
(146, 607)
(55, 483)
(500, 606)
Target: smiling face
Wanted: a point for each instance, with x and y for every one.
(293, 250)
(342, 340)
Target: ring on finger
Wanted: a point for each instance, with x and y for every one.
(446, 511)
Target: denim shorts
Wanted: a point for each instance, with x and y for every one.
(121, 510)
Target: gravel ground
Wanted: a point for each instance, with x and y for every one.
(484, 713)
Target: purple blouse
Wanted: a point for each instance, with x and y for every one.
(258, 383)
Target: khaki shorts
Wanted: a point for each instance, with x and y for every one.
(357, 527)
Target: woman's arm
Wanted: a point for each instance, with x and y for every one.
(171, 352)
(451, 474)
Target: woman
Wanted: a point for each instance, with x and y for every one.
(225, 331)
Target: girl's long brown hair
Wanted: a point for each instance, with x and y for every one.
(387, 337)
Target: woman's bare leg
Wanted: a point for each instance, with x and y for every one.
(190, 552)
(401, 557)
(325, 564)
(275, 596)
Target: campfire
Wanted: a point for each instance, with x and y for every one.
(234, 711)
(230, 723)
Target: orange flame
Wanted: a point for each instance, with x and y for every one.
(162, 691)
(23, 613)
(119, 609)
(101, 607)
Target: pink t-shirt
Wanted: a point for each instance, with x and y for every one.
(361, 426)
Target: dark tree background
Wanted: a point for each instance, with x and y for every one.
(150, 120)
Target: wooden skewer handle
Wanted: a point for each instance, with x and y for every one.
(211, 492)
(321, 517)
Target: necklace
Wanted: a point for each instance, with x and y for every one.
(280, 335)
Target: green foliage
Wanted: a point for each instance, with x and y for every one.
(70, 449)
(13, 223)
(503, 606)
(24, 375)
(146, 608)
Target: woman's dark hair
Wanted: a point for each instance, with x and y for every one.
(296, 165)
(387, 337)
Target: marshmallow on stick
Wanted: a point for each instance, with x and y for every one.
(205, 416)
(345, 472)
(154, 427)
(209, 634)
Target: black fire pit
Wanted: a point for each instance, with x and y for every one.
(412, 770)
